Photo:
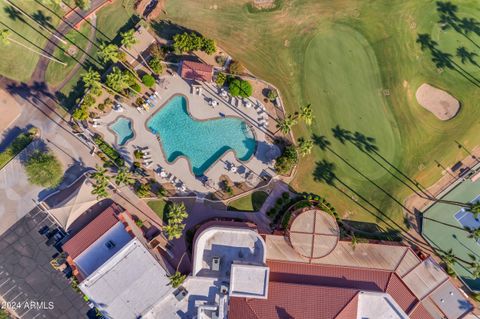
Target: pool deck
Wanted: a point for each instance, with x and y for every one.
(259, 164)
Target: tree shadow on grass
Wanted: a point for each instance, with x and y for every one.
(324, 172)
(13, 13)
(167, 29)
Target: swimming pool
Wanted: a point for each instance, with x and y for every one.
(201, 142)
(122, 128)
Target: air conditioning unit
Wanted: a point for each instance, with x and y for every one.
(216, 263)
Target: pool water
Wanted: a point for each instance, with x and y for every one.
(123, 129)
(201, 142)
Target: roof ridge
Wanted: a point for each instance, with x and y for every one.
(348, 303)
(253, 311)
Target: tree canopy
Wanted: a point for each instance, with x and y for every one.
(43, 169)
(188, 42)
(239, 87)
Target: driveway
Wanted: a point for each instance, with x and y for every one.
(27, 280)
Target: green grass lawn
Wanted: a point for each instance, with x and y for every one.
(18, 63)
(111, 20)
(250, 203)
(159, 207)
(359, 65)
(56, 73)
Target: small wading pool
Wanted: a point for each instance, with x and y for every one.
(122, 128)
(201, 142)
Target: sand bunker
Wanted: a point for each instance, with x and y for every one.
(440, 103)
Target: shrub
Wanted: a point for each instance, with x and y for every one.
(88, 100)
(272, 94)
(208, 46)
(239, 87)
(156, 65)
(43, 169)
(139, 223)
(136, 87)
(286, 161)
(188, 42)
(137, 154)
(271, 212)
(97, 91)
(142, 190)
(80, 113)
(236, 68)
(108, 150)
(101, 107)
(148, 80)
(285, 195)
(221, 78)
(220, 59)
(157, 52)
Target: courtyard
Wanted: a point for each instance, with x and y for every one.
(205, 103)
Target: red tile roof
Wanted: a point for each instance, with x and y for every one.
(301, 290)
(325, 275)
(400, 292)
(90, 233)
(196, 71)
(419, 312)
(350, 310)
(294, 301)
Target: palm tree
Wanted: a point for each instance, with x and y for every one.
(5, 39)
(100, 190)
(473, 233)
(116, 80)
(354, 241)
(286, 124)
(110, 52)
(466, 55)
(91, 79)
(124, 177)
(475, 267)
(306, 114)
(173, 231)
(449, 258)
(304, 146)
(474, 208)
(100, 175)
(35, 21)
(176, 279)
(177, 213)
(128, 40)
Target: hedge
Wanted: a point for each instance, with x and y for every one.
(109, 151)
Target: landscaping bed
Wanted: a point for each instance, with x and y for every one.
(17, 145)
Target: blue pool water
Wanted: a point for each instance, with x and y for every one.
(201, 142)
(123, 129)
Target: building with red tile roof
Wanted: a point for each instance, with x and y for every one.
(90, 233)
(371, 281)
(196, 71)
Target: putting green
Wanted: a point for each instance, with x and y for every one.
(342, 81)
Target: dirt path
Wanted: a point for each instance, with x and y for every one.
(91, 37)
(67, 24)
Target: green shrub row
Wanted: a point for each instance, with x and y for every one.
(108, 150)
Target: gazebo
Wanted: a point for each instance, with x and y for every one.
(196, 71)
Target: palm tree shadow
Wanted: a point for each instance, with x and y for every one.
(324, 172)
(13, 13)
(367, 145)
(43, 19)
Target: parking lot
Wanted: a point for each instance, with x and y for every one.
(29, 285)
